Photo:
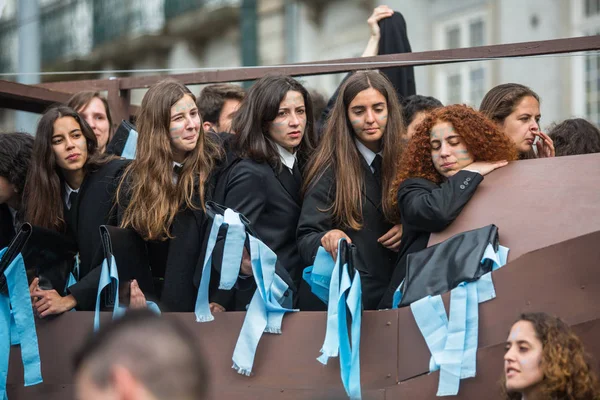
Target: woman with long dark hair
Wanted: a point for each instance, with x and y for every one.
(440, 170)
(545, 360)
(515, 108)
(70, 189)
(274, 127)
(163, 191)
(348, 182)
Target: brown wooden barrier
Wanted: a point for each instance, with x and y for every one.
(562, 279)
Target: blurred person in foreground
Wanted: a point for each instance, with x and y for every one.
(141, 356)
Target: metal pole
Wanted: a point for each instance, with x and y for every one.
(29, 61)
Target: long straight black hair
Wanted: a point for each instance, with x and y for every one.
(259, 108)
(43, 188)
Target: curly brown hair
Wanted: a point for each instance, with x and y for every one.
(567, 371)
(482, 137)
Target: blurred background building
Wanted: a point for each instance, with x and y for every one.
(100, 36)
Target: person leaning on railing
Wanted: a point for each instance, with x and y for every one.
(440, 170)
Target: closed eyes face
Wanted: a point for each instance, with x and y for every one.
(69, 144)
(449, 152)
(287, 129)
(522, 125)
(95, 115)
(522, 361)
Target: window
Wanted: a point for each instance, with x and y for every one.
(592, 7)
(462, 83)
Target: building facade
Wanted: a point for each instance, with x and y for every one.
(100, 36)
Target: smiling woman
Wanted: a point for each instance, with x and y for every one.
(70, 189)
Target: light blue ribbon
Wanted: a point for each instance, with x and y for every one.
(318, 275)
(130, 145)
(453, 342)
(24, 325)
(265, 313)
(344, 292)
(270, 300)
(110, 275)
(73, 275)
(233, 250)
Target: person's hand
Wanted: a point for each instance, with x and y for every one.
(545, 145)
(391, 239)
(216, 307)
(49, 302)
(246, 265)
(330, 241)
(379, 13)
(485, 167)
(32, 288)
(136, 296)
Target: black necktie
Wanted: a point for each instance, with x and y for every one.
(177, 169)
(376, 165)
(73, 199)
(297, 175)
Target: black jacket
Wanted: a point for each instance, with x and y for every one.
(95, 206)
(7, 229)
(425, 208)
(374, 261)
(271, 201)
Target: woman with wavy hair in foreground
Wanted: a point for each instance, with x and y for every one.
(545, 360)
(444, 162)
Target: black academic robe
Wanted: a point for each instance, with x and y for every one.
(425, 208)
(7, 229)
(269, 198)
(95, 206)
(374, 261)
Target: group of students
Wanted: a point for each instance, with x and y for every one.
(370, 177)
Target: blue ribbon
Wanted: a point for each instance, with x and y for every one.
(318, 275)
(24, 325)
(270, 300)
(130, 145)
(233, 250)
(265, 313)
(453, 342)
(344, 293)
(110, 275)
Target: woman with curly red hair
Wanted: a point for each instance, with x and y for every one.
(444, 162)
(545, 360)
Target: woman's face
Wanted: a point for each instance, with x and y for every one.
(94, 114)
(69, 144)
(287, 129)
(449, 151)
(368, 115)
(184, 127)
(522, 125)
(522, 361)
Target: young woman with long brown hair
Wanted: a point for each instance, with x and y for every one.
(348, 182)
(94, 109)
(515, 108)
(163, 191)
(70, 189)
(440, 170)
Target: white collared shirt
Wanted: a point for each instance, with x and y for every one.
(68, 191)
(288, 159)
(367, 153)
(175, 176)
